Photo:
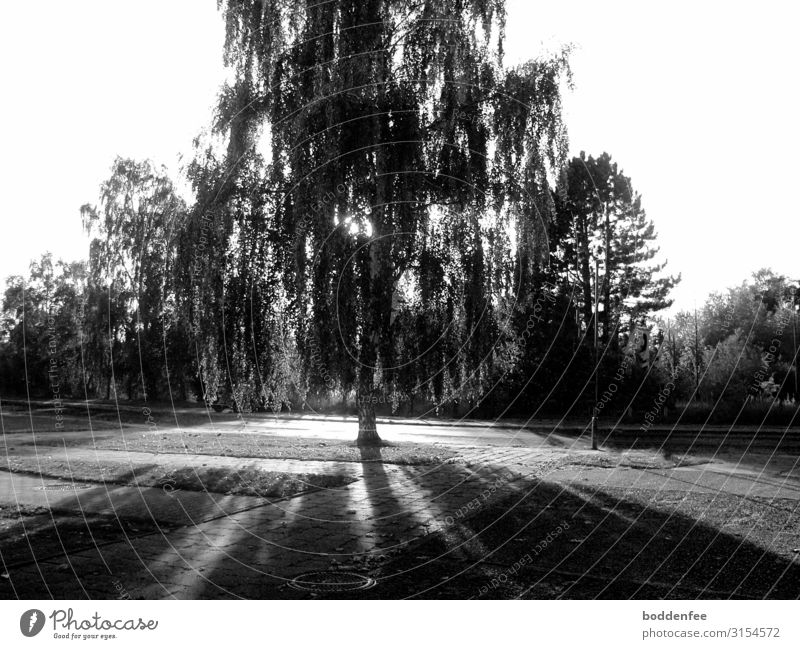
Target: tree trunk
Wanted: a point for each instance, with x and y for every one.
(368, 356)
(367, 429)
(378, 275)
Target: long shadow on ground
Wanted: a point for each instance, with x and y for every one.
(546, 541)
(551, 543)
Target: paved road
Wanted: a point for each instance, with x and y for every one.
(310, 427)
(103, 419)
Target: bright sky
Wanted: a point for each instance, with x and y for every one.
(698, 102)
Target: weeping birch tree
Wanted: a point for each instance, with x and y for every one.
(371, 144)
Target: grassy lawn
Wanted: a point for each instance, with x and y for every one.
(260, 446)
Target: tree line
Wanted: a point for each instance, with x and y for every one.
(383, 216)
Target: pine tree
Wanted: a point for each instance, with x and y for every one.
(601, 218)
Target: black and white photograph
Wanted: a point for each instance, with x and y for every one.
(398, 300)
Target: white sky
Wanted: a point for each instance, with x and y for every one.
(698, 102)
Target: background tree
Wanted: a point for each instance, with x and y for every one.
(40, 349)
(747, 342)
(28, 306)
(597, 217)
(132, 258)
(601, 218)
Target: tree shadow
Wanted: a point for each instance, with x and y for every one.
(552, 542)
(389, 516)
(546, 540)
